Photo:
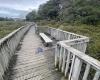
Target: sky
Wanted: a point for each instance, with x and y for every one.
(18, 8)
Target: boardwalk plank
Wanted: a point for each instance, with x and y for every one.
(34, 66)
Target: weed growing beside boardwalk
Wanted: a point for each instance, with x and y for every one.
(8, 26)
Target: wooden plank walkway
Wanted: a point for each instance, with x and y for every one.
(34, 66)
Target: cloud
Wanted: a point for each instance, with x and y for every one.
(22, 4)
(9, 12)
(18, 8)
(5, 12)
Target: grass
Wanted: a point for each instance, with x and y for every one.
(93, 32)
(8, 26)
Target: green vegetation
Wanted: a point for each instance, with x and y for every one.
(32, 16)
(93, 32)
(8, 26)
(71, 11)
(78, 16)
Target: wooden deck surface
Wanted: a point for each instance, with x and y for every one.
(34, 66)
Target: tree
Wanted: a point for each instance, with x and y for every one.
(5, 19)
(84, 11)
(49, 10)
(31, 16)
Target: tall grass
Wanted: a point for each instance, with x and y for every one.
(8, 26)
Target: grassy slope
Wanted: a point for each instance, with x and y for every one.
(93, 32)
(8, 26)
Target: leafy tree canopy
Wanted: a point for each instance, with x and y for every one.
(84, 11)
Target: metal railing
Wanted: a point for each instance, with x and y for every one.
(8, 46)
(70, 54)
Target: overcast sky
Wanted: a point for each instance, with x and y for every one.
(24, 5)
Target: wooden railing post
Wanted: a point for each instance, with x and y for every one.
(56, 56)
(72, 65)
(76, 69)
(86, 72)
(63, 60)
(67, 62)
(60, 57)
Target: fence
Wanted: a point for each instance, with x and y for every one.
(8, 45)
(70, 55)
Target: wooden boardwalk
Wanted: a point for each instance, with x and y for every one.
(34, 66)
(27, 64)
